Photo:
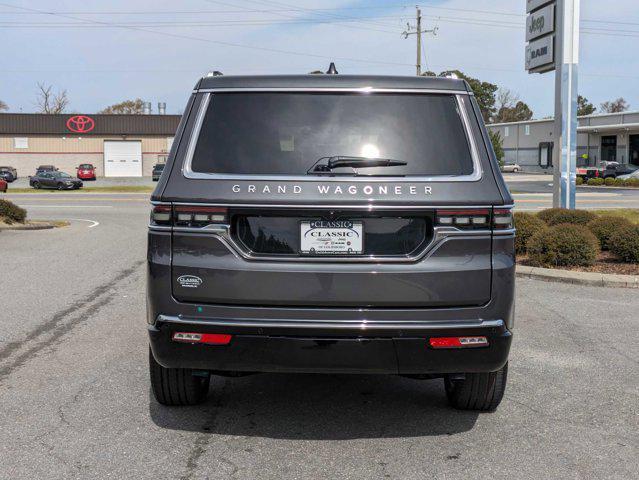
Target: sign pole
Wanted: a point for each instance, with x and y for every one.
(565, 127)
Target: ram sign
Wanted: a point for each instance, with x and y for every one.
(540, 55)
(540, 35)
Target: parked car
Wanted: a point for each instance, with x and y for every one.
(55, 179)
(511, 167)
(46, 168)
(627, 176)
(158, 168)
(9, 174)
(86, 171)
(604, 170)
(291, 236)
(3, 185)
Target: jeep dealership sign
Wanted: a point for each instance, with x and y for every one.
(540, 22)
(540, 35)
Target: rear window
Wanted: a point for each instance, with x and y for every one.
(287, 133)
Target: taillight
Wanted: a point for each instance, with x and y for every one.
(458, 342)
(502, 218)
(464, 219)
(188, 215)
(208, 338)
(161, 215)
(196, 216)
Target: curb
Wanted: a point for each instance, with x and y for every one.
(578, 278)
(32, 226)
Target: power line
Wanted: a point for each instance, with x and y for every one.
(302, 10)
(216, 42)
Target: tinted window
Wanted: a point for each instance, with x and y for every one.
(286, 133)
(86, 166)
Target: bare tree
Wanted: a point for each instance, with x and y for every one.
(3, 106)
(510, 108)
(615, 106)
(49, 101)
(505, 98)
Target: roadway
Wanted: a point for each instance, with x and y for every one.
(76, 403)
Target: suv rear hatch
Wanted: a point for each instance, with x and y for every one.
(324, 199)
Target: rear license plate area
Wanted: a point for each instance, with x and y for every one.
(331, 237)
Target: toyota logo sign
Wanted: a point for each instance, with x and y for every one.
(80, 124)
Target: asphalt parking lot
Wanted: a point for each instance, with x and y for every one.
(76, 402)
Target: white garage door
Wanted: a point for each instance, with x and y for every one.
(122, 159)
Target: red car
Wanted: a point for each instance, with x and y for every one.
(86, 171)
(3, 185)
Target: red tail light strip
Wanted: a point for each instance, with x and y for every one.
(207, 338)
(458, 342)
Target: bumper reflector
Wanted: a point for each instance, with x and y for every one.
(208, 338)
(458, 342)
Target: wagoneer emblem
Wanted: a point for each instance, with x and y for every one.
(189, 281)
(384, 189)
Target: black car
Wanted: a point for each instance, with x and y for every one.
(331, 224)
(55, 179)
(158, 168)
(8, 173)
(605, 170)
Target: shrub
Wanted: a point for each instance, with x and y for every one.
(10, 212)
(604, 226)
(563, 245)
(596, 181)
(619, 182)
(555, 216)
(624, 243)
(631, 182)
(527, 224)
(609, 181)
(579, 180)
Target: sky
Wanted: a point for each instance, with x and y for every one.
(105, 52)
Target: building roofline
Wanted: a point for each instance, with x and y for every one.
(551, 119)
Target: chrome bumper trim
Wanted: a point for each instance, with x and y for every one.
(362, 325)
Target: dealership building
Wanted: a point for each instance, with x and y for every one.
(117, 145)
(604, 137)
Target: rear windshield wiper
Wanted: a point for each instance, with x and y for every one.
(327, 164)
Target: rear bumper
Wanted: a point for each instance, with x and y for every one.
(327, 347)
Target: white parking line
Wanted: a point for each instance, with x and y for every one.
(93, 222)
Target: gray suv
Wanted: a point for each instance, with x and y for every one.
(331, 224)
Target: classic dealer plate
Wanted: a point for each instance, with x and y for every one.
(331, 237)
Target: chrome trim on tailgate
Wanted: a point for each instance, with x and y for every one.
(336, 324)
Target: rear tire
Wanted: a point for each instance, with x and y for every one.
(177, 386)
(36, 185)
(478, 391)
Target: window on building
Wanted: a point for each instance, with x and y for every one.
(609, 148)
(20, 142)
(527, 129)
(506, 131)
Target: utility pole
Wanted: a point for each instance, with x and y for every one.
(418, 32)
(552, 33)
(565, 129)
